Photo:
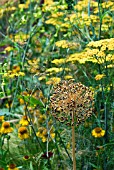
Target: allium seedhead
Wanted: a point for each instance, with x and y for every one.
(69, 97)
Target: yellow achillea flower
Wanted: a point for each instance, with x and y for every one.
(8, 49)
(23, 133)
(15, 72)
(110, 66)
(53, 21)
(21, 74)
(24, 121)
(12, 167)
(58, 61)
(54, 80)
(19, 37)
(99, 76)
(25, 5)
(66, 44)
(68, 77)
(54, 70)
(57, 14)
(6, 128)
(42, 78)
(48, 2)
(81, 57)
(98, 132)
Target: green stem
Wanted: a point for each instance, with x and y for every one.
(100, 17)
(64, 146)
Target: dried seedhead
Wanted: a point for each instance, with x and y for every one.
(69, 97)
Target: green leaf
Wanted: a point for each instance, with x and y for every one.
(4, 112)
(31, 166)
(4, 155)
(93, 165)
(105, 13)
(33, 101)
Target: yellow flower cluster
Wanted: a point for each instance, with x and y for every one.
(83, 18)
(53, 6)
(96, 52)
(20, 38)
(68, 77)
(101, 51)
(8, 49)
(46, 134)
(104, 44)
(8, 7)
(81, 57)
(66, 44)
(15, 72)
(56, 70)
(56, 17)
(53, 21)
(48, 2)
(58, 61)
(57, 14)
(33, 65)
(25, 5)
(99, 76)
(53, 80)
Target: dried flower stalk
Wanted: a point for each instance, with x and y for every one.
(72, 103)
